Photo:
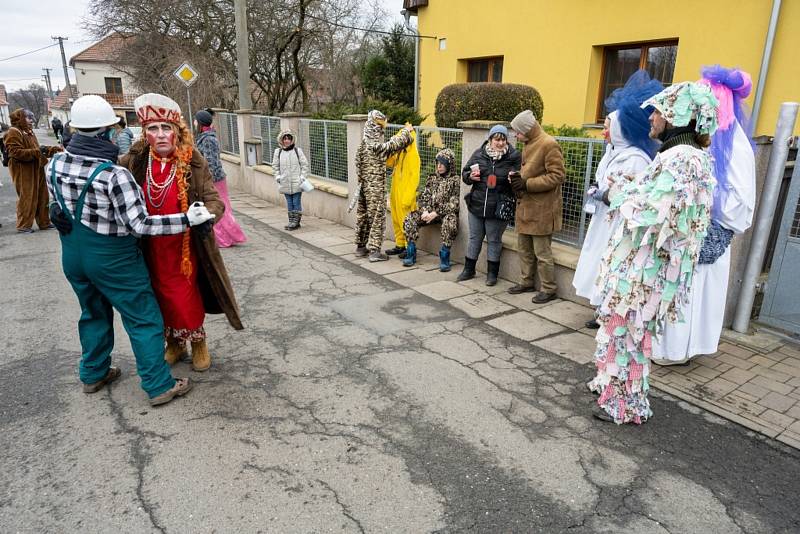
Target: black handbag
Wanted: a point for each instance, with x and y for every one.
(505, 207)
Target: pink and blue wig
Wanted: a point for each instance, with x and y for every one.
(634, 121)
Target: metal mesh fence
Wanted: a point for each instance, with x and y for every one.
(430, 140)
(325, 145)
(267, 129)
(228, 133)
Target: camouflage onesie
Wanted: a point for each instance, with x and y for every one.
(441, 194)
(371, 167)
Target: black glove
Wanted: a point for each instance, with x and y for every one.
(517, 183)
(59, 219)
(204, 229)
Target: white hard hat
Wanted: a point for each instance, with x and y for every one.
(92, 111)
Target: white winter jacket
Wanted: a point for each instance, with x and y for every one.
(290, 167)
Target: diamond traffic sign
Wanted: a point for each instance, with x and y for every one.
(186, 74)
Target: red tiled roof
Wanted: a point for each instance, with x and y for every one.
(61, 101)
(116, 100)
(103, 51)
(3, 95)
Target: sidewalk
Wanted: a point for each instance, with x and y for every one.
(752, 380)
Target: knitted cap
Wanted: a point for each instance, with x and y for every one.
(204, 118)
(684, 102)
(498, 129)
(524, 122)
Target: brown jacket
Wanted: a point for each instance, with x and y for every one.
(26, 161)
(215, 286)
(539, 208)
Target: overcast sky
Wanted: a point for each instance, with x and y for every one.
(30, 24)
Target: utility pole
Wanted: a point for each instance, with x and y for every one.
(46, 77)
(64, 64)
(242, 53)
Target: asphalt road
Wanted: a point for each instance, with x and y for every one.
(348, 404)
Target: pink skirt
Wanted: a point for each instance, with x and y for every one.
(226, 230)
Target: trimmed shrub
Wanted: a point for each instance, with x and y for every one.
(485, 101)
(565, 130)
(395, 112)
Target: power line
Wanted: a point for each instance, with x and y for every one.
(30, 52)
(368, 30)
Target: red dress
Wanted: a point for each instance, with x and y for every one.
(178, 295)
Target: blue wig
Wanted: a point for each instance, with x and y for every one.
(634, 123)
(730, 87)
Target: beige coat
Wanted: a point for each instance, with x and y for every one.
(539, 209)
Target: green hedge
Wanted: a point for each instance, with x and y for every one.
(395, 112)
(485, 101)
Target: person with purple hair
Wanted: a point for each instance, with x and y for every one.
(629, 150)
(732, 213)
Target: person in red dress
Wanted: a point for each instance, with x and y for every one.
(174, 176)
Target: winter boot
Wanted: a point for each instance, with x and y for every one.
(411, 254)
(288, 226)
(297, 216)
(395, 251)
(492, 269)
(176, 350)
(469, 270)
(444, 259)
(201, 359)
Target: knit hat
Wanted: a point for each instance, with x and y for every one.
(498, 129)
(524, 122)
(204, 118)
(152, 107)
(685, 102)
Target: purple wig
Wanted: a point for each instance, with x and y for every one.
(634, 121)
(730, 87)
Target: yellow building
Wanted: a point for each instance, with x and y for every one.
(576, 51)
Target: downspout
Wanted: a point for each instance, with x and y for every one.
(765, 59)
(407, 16)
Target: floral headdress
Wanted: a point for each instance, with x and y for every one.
(684, 102)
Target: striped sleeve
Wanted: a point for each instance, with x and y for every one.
(131, 212)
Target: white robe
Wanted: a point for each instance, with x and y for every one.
(703, 313)
(619, 158)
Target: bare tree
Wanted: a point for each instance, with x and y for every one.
(33, 98)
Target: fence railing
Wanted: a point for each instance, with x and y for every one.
(325, 145)
(228, 133)
(430, 140)
(581, 156)
(267, 129)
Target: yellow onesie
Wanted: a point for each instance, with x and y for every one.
(405, 180)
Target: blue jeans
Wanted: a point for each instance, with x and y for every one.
(293, 201)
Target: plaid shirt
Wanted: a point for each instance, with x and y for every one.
(114, 203)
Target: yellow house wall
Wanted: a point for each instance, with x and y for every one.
(556, 46)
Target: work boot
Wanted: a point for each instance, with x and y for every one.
(361, 251)
(492, 269)
(182, 387)
(176, 350)
(444, 259)
(469, 270)
(411, 255)
(290, 216)
(541, 297)
(395, 251)
(377, 255)
(201, 359)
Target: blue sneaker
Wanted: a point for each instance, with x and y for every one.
(411, 255)
(444, 259)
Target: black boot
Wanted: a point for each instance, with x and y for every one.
(492, 269)
(469, 270)
(298, 215)
(290, 215)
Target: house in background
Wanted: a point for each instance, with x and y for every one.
(95, 74)
(576, 52)
(5, 118)
(61, 104)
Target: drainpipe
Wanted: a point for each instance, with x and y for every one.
(766, 212)
(407, 16)
(764, 70)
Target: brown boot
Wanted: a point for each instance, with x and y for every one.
(176, 349)
(201, 359)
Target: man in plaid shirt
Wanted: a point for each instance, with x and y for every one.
(100, 212)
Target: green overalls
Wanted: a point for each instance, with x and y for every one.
(105, 272)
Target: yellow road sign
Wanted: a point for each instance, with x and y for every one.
(186, 74)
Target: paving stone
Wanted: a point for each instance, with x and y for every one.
(741, 352)
(790, 370)
(740, 405)
(574, 346)
(794, 411)
(772, 375)
(776, 356)
(479, 305)
(753, 389)
(794, 382)
(525, 325)
(708, 361)
(735, 361)
(568, 313)
(717, 388)
(778, 419)
(684, 369)
(413, 277)
(794, 427)
(523, 301)
(705, 372)
(790, 350)
(427, 262)
(443, 290)
(738, 376)
(743, 395)
(387, 267)
(777, 402)
(479, 284)
(761, 360)
(340, 250)
(789, 438)
(771, 385)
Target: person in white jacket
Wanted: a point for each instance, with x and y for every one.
(291, 169)
(732, 213)
(628, 152)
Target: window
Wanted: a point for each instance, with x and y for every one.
(485, 70)
(620, 62)
(114, 86)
